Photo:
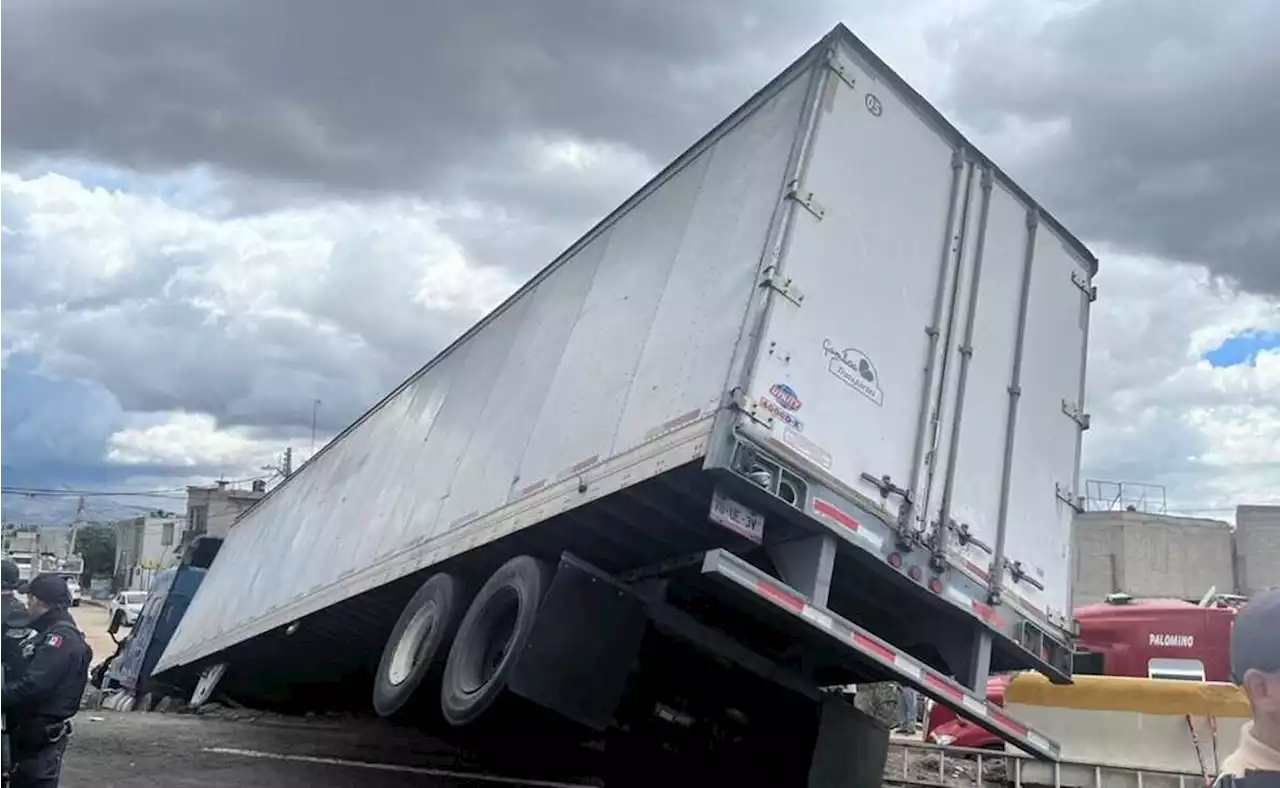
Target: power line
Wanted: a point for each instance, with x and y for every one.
(64, 492)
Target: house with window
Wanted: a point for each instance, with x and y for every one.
(213, 510)
(146, 546)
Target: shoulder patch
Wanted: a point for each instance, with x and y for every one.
(53, 641)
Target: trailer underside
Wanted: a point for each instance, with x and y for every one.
(654, 539)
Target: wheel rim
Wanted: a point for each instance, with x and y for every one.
(408, 654)
(486, 654)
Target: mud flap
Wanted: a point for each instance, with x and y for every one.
(851, 750)
(583, 645)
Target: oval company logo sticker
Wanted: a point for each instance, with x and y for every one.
(786, 396)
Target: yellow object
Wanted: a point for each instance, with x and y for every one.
(1121, 693)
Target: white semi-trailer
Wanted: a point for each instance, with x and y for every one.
(804, 411)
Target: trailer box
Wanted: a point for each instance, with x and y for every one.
(826, 367)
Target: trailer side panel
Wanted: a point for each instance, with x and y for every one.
(625, 339)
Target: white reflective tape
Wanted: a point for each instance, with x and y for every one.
(1036, 740)
(974, 705)
(908, 666)
(816, 616)
(956, 595)
(875, 540)
(732, 572)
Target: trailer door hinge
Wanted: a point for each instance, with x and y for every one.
(838, 66)
(1068, 497)
(785, 286)
(1082, 282)
(805, 197)
(1076, 414)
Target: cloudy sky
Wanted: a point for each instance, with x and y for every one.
(217, 213)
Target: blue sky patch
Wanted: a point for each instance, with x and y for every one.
(1243, 348)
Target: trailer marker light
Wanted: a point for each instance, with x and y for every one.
(935, 585)
(914, 573)
(895, 560)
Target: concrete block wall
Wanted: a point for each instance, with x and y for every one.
(1257, 548)
(1150, 555)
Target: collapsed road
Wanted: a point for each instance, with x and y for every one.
(132, 750)
(242, 748)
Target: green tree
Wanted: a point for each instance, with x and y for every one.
(96, 544)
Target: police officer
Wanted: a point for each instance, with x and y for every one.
(17, 621)
(42, 700)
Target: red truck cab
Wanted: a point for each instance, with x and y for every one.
(1144, 638)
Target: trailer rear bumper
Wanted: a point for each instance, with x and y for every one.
(816, 624)
(1022, 637)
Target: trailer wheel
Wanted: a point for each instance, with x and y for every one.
(424, 626)
(496, 627)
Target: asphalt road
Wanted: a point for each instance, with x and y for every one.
(132, 750)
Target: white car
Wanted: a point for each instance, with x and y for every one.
(73, 586)
(126, 606)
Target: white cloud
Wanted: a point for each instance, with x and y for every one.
(1164, 415)
(189, 440)
(244, 317)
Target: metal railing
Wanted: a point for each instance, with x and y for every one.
(938, 766)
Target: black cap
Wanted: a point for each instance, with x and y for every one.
(1255, 636)
(50, 589)
(12, 576)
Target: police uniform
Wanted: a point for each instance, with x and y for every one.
(17, 621)
(40, 702)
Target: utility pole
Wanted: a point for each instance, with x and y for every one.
(285, 468)
(75, 528)
(315, 406)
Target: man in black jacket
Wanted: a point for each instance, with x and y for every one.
(1255, 666)
(43, 699)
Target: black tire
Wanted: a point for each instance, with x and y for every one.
(495, 629)
(426, 623)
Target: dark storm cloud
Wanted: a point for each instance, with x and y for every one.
(1158, 122)
(376, 95)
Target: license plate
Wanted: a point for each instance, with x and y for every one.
(736, 517)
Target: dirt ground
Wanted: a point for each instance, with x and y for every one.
(93, 621)
(132, 750)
